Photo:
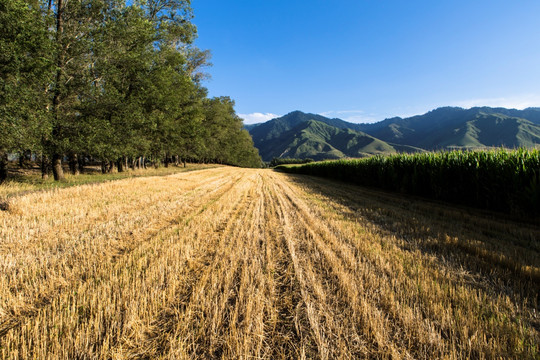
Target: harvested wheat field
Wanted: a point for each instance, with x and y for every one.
(254, 264)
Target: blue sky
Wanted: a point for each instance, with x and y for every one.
(366, 60)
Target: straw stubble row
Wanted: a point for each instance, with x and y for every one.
(236, 263)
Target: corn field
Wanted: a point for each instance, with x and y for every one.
(501, 180)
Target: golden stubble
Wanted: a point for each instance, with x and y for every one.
(238, 263)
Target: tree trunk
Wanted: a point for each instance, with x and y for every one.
(120, 165)
(61, 52)
(57, 158)
(167, 160)
(74, 164)
(3, 166)
(44, 167)
(82, 163)
(21, 159)
(28, 158)
(58, 172)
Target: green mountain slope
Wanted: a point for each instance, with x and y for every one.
(302, 135)
(317, 140)
(249, 127)
(456, 127)
(492, 130)
(275, 128)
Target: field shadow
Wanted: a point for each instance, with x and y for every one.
(492, 252)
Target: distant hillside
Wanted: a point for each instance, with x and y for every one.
(318, 140)
(276, 127)
(248, 127)
(456, 127)
(302, 135)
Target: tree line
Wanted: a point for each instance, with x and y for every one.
(110, 80)
(288, 161)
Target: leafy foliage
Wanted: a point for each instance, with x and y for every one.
(227, 140)
(111, 80)
(25, 72)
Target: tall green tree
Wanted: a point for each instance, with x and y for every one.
(110, 81)
(227, 142)
(122, 59)
(75, 23)
(25, 73)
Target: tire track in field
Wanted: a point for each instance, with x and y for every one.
(355, 274)
(287, 330)
(183, 314)
(215, 188)
(330, 324)
(212, 326)
(242, 332)
(235, 301)
(396, 332)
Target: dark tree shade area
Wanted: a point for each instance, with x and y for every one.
(111, 80)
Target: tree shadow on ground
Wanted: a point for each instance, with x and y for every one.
(495, 253)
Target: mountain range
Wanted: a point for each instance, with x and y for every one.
(304, 135)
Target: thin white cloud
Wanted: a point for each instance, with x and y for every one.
(513, 102)
(361, 119)
(510, 102)
(354, 116)
(341, 112)
(257, 117)
(360, 116)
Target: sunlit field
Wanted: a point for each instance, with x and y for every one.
(254, 264)
(23, 181)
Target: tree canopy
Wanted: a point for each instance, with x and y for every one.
(112, 81)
